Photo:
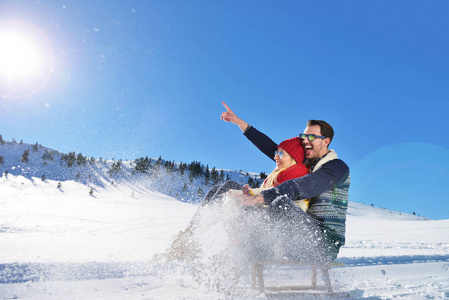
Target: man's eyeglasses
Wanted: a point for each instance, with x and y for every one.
(311, 137)
(280, 153)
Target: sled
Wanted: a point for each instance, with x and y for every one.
(257, 279)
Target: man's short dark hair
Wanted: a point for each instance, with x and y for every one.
(325, 128)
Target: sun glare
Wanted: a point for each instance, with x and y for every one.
(19, 57)
(25, 60)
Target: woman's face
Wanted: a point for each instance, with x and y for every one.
(284, 162)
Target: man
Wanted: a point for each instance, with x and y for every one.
(318, 234)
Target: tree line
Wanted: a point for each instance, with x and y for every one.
(140, 166)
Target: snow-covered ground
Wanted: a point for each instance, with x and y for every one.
(64, 243)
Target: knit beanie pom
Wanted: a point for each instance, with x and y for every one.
(295, 148)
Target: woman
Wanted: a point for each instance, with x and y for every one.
(289, 159)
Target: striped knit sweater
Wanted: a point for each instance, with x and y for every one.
(330, 207)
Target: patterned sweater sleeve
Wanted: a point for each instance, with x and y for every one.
(331, 174)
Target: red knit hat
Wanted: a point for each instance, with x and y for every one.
(295, 148)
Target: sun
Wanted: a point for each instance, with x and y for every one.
(19, 56)
(25, 59)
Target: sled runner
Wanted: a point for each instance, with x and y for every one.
(257, 278)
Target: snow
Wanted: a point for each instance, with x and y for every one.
(102, 247)
(69, 225)
(65, 243)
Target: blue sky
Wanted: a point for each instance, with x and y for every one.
(127, 79)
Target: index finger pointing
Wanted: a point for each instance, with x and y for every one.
(227, 107)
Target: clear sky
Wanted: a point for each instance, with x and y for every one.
(126, 79)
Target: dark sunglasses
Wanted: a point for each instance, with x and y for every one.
(311, 137)
(280, 153)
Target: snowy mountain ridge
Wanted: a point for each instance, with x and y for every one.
(37, 161)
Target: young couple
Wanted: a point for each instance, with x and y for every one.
(304, 199)
(318, 232)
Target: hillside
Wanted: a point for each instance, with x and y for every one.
(185, 182)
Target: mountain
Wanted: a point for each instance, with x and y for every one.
(185, 182)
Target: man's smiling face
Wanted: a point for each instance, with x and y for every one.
(318, 147)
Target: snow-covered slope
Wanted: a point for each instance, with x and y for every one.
(67, 224)
(66, 244)
(63, 242)
(46, 163)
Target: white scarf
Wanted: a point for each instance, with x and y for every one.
(331, 155)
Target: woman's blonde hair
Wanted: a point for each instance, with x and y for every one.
(270, 181)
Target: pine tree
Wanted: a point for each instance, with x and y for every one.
(169, 166)
(155, 169)
(48, 155)
(182, 168)
(80, 159)
(142, 165)
(215, 176)
(207, 175)
(196, 169)
(2, 142)
(25, 156)
(191, 177)
(2, 158)
(69, 158)
(116, 167)
(251, 182)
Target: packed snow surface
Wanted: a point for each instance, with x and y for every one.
(70, 243)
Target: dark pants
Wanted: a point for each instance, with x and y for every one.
(214, 196)
(301, 236)
(282, 225)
